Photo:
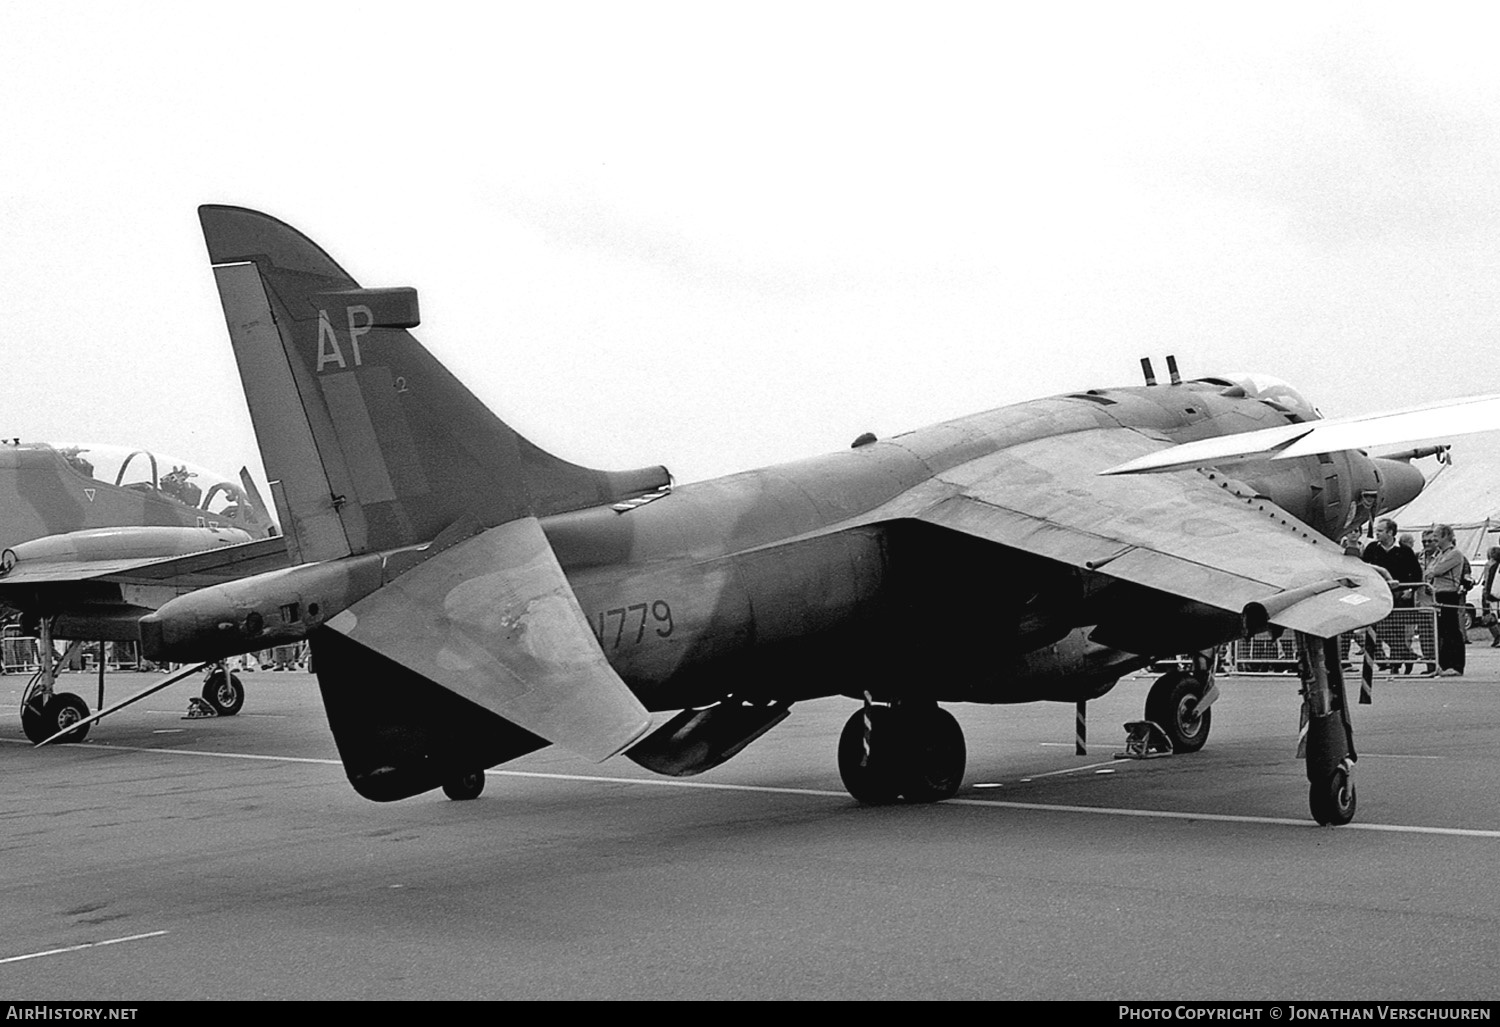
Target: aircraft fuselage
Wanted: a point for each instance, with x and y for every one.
(802, 579)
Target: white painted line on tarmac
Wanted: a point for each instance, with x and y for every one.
(1035, 806)
(85, 945)
(1073, 770)
(1224, 818)
(182, 752)
(672, 782)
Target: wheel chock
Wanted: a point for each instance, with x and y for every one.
(199, 708)
(1144, 740)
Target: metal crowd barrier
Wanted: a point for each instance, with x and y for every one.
(1407, 638)
(19, 655)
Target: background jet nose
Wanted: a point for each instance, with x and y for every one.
(1400, 483)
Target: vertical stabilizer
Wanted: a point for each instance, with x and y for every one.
(369, 441)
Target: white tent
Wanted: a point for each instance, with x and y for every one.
(1464, 493)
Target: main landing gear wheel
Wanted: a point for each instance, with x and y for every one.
(464, 786)
(33, 722)
(1332, 800)
(63, 710)
(888, 753)
(222, 690)
(1170, 705)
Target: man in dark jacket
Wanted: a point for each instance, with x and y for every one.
(1401, 567)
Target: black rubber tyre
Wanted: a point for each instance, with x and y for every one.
(464, 786)
(1332, 801)
(64, 709)
(871, 755)
(935, 755)
(1170, 705)
(34, 723)
(223, 691)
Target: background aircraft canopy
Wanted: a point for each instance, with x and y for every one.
(144, 471)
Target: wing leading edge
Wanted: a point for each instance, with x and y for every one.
(1432, 421)
(192, 570)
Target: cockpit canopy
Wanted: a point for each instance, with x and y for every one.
(1272, 391)
(143, 471)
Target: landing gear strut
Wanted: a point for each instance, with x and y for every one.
(1330, 735)
(909, 751)
(45, 712)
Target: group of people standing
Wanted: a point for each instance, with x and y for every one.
(1440, 575)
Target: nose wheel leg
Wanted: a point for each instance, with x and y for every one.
(1330, 735)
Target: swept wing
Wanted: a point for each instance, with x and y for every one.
(1196, 535)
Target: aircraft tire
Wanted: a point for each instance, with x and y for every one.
(1170, 705)
(223, 691)
(463, 787)
(871, 755)
(1332, 800)
(34, 723)
(64, 709)
(935, 758)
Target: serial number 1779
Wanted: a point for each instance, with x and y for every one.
(626, 625)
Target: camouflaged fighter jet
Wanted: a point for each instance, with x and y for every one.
(470, 598)
(94, 536)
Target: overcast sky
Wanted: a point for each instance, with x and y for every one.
(718, 236)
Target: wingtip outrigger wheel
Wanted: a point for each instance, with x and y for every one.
(464, 786)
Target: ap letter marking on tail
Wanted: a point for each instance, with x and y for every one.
(329, 351)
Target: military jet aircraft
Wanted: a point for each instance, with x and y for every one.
(80, 524)
(470, 597)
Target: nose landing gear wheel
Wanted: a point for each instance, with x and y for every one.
(1332, 799)
(222, 690)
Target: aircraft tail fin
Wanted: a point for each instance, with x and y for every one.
(370, 443)
(373, 447)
